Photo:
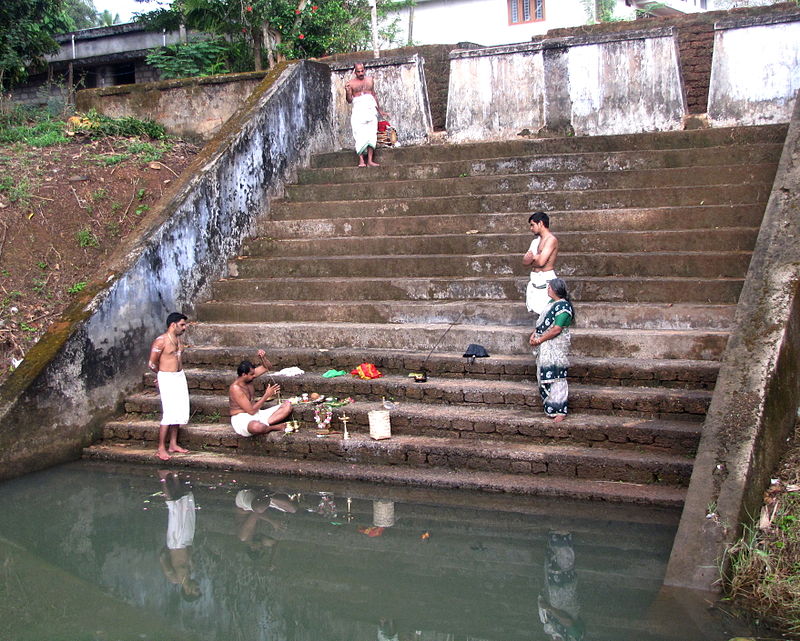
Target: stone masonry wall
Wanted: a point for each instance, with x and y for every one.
(695, 34)
(75, 376)
(437, 72)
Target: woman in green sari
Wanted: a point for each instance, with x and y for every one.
(552, 339)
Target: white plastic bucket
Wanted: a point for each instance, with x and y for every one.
(379, 425)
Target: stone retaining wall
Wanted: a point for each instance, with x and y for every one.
(754, 406)
(76, 375)
(400, 88)
(192, 108)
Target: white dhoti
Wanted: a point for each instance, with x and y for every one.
(174, 393)
(536, 297)
(181, 523)
(240, 421)
(364, 122)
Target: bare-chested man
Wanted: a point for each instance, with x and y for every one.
(541, 256)
(247, 417)
(360, 92)
(165, 360)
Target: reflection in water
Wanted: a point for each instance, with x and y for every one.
(176, 556)
(558, 606)
(269, 559)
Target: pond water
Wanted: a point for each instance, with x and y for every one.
(99, 552)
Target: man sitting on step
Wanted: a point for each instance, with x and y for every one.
(247, 417)
(541, 256)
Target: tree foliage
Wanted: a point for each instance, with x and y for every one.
(83, 14)
(26, 35)
(276, 29)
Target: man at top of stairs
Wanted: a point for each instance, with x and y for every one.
(541, 256)
(360, 92)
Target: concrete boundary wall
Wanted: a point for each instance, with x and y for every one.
(607, 83)
(192, 108)
(754, 406)
(401, 91)
(755, 72)
(75, 377)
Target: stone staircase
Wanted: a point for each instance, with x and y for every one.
(655, 232)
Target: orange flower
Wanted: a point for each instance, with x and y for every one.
(249, 9)
(297, 11)
(301, 36)
(314, 7)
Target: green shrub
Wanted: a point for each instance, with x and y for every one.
(128, 126)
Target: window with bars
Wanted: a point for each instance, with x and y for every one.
(520, 11)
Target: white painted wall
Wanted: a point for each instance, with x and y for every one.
(609, 84)
(626, 87)
(755, 74)
(485, 22)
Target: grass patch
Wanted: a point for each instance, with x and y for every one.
(764, 571)
(86, 238)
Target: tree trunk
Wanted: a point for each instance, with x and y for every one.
(257, 42)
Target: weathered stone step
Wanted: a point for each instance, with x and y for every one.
(453, 453)
(753, 154)
(587, 369)
(678, 344)
(664, 141)
(582, 288)
(712, 264)
(540, 182)
(728, 239)
(420, 419)
(735, 194)
(464, 479)
(697, 217)
(473, 312)
(649, 402)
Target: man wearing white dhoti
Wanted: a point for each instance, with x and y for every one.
(165, 359)
(541, 256)
(360, 92)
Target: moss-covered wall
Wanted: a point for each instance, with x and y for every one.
(192, 108)
(77, 374)
(754, 406)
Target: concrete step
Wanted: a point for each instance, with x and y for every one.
(729, 264)
(703, 217)
(648, 402)
(687, 374)
(754, 154)
(721, 240)
(420, 419)
(449, 453)
(463, 479)
(474, 312)
(610, 343)
(582, 288)
(664, 141)
(540, 182)
(735, 194)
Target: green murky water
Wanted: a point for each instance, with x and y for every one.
(90, 551)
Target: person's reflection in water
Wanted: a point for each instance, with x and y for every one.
(176, 556)
(251, 509)
(558, 607)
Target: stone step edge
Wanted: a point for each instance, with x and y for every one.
(590, 430)
(447, 384)
(488, 448)
(471, 327)
(555, 487)
(544, 175)
(242, 352)
(521, 236)
(747, 149)
(599, 194)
